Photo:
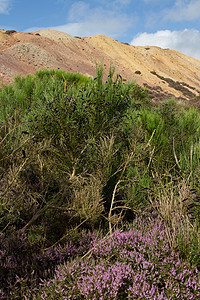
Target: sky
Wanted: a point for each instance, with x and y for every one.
(167, 24)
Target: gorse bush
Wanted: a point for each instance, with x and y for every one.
(30, 91)
(86, 152)
(62, 136)
(172, 132)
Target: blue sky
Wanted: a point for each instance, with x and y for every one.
(165, 23)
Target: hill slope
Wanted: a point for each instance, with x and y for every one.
(164, 72)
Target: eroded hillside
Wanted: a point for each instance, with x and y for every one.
(164, 72)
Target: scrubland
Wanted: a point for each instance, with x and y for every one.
(100, 190)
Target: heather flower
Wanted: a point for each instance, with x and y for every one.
(133, 264)
(22, 264)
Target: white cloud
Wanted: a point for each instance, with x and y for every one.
(186, 41)
(110, 27)
(184, 10)
(79, 10)
(122, 2)
(114, 4)
(4, 6)
(86, 21)
(157, 2)
(151, 1)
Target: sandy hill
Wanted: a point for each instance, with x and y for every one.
(164, 72)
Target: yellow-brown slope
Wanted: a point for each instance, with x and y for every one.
(27, 52)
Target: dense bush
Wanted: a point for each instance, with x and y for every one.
(80, 152)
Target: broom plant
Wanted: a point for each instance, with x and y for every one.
(81, 152)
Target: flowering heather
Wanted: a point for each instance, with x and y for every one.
(134, 264)
(23, 265)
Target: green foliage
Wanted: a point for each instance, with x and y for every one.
(73, 145)
(30, 92)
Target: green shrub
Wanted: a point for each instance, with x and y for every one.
(77, 149)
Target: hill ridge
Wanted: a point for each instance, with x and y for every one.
(164, 72)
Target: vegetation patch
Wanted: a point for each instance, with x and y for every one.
(100, 190)
(180, 86)
(10, 31)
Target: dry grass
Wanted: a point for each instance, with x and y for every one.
(172, 203)
(87, 196)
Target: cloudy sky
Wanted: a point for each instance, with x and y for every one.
(165, 23)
